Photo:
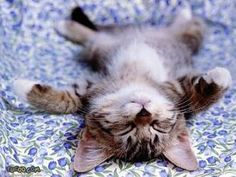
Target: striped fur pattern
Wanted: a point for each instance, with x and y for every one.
(142, 90)
(56, 101)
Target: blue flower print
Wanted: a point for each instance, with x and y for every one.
(227, 159)
(211, 143)
(67, 145)
(32, 151)
(62, 162)
(14, 140)
(222, 132)
(99, 168)
(52, 165)
(211, 159)
(202, 163)
(163, 173)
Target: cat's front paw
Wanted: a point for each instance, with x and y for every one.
(220, 76)
(22, 87)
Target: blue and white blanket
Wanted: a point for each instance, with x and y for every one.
(30, 48)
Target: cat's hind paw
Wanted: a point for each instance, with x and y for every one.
(64, 27)
(74, 31)
(220, 76)
(22, 87)
(185, 14)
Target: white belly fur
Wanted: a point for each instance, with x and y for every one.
(142, 59)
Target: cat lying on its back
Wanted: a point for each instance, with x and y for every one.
(143, 89)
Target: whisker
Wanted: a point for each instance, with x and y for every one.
(187, 99)
(199, 108)
(183, 108)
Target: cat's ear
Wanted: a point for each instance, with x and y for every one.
(180, 153)
(89, 154)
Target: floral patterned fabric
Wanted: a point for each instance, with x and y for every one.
(30, 48)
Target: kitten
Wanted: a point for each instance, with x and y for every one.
(143, 89)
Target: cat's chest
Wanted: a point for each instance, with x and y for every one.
(139, 60)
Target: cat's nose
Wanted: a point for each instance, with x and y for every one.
(143, 113)
(143, 118)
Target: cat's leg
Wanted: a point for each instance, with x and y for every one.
(188, 29)
(74, 31)
(195, 93)
(47, 98)
(97, 45)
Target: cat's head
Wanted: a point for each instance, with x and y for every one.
(134, 123)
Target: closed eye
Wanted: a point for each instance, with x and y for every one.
(129, 128)
(162, 127)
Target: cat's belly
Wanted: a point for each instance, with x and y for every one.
(139, 60)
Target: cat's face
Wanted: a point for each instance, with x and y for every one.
(139, 119)
(134, 123)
